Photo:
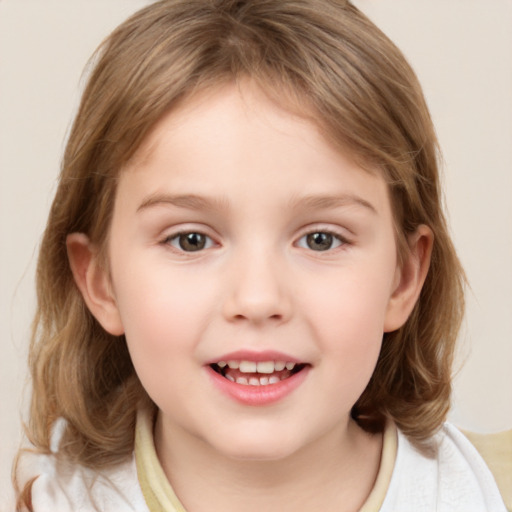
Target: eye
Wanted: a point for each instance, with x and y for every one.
(320, 241)
(190, 242)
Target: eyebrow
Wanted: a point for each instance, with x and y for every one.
(324, 202)
(189, 201)
(196, 202)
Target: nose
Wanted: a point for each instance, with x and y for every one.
(259, 289)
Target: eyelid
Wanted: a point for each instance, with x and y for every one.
(341, 233)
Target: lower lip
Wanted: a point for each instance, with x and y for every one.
(258, 395)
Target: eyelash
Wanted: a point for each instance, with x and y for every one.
(204, 241)
(208, 241)
(334, 238)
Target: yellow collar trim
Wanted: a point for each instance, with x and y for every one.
(156, 489)
(387, 463)
(160, 496)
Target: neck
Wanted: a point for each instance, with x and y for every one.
(336, 472)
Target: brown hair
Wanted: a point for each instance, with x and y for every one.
(363, 95)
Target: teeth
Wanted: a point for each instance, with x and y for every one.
(267, 367)
(248, 366)
(254, 381)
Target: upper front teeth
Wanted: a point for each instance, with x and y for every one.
(247, 366)
(257, 367)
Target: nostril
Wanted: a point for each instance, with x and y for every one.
(255, 316)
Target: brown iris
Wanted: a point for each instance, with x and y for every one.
(319, 241)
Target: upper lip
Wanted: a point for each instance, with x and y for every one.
(255, 356)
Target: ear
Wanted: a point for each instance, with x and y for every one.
(93, 282)
(409, 278)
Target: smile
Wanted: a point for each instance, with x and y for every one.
(252, 373)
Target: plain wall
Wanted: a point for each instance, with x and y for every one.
(462, 52)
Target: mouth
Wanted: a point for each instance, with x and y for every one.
(261, 373)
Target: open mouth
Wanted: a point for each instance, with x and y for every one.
(261, 373)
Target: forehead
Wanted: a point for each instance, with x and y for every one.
(285, 101)
(287, 106)
(237, 136)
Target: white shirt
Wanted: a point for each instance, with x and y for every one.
(456, 479)
(451, 478)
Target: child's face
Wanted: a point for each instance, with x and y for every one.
(240, 235)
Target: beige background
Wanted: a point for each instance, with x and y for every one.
(462, 51)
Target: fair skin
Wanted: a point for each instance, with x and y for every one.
(240, 235)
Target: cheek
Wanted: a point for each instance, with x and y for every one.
(163, 316)
(162, 312)
(348, 322)
(353, 305)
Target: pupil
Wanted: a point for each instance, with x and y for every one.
(192, 241)
(319, 241)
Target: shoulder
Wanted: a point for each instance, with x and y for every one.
(447, 476)
(65, 487)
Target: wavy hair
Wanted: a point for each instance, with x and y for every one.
(360, 91)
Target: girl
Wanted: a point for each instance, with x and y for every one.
(248, 299)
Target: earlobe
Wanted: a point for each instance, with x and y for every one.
(410, 278)
(93, 282)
